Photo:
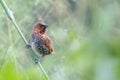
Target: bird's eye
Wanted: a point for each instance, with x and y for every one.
(42, 26)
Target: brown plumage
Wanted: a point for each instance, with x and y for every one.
(40, 41)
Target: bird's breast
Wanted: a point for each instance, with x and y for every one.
(39, 48)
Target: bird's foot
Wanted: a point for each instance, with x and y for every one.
(28, 46)
(38, 59)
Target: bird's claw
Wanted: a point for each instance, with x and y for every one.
(28, 46)
(38, 59)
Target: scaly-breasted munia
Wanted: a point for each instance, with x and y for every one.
(40, 41)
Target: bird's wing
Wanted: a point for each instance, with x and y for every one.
(47, 43)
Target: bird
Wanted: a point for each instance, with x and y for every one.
(39, 41)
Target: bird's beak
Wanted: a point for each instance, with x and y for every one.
(44, 26)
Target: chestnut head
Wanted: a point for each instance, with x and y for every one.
(40, 27)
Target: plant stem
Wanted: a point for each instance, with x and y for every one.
(11, 17)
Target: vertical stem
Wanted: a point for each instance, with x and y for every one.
(20, 33)
(46, 76)
(11, 17)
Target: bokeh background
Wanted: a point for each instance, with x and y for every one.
(85, 34)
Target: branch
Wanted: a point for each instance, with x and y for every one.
(11, 17)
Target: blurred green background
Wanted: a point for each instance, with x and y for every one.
(85, 34)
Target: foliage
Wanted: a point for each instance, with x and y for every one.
(85, 34)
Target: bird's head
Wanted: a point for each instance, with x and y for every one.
(40, 27)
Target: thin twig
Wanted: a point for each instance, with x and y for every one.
(11, 17)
